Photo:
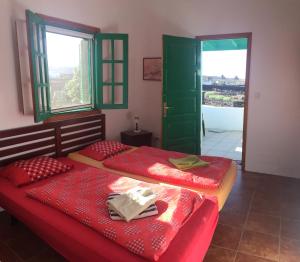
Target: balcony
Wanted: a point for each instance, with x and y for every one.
(224, 131)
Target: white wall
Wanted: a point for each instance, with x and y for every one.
(223, 118)
(274, 111)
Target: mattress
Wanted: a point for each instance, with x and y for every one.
(221, 193)
(76, 242)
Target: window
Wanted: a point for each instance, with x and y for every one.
(70, 81)
(75, 69)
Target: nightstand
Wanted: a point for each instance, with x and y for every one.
(143, 138)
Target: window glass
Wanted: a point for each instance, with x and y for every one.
(118, 95)
(118, 73)
(106, 50)
(118, 48)
(107, 95)
(69, 65)
(107, 72)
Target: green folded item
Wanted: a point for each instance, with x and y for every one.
(188, 162)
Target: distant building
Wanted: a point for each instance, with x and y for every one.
(222, 80)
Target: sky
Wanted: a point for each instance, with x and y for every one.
(227, 63)
(63, 51)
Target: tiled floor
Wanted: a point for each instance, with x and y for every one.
(259, 223)
(223, 143)
(18, 243)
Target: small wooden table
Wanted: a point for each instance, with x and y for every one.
(143, 138)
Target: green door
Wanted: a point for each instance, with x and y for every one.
(181, 94)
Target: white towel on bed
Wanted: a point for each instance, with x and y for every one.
(150, 211)
(130, 204)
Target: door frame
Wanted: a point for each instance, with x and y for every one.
(247, 35)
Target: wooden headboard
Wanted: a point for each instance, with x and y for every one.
(53, 139)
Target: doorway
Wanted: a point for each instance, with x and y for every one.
(225, 65)
(182, 91)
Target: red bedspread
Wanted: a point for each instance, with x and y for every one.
(83, 195)
(153, 163)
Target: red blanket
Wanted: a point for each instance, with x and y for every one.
(83, 195)
(153, 163)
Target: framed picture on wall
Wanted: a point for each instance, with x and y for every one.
(152, 68)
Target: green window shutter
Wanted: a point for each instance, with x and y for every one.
(39, 66)
(111, 71)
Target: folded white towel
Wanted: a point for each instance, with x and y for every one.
(150, 211)
(132, 203)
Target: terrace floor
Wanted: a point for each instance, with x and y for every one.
(223, 143)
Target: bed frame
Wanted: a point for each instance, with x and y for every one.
(54, 139)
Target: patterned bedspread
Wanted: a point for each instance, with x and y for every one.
(83, 194)
(154, 163)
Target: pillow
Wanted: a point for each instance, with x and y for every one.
(24, 172)
(103, 149)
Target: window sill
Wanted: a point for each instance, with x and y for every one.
(71, 115)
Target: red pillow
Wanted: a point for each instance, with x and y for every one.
(103, 149)
(24, 172)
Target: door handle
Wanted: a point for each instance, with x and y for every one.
(165, 109)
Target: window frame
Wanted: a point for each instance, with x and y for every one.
(95, 62)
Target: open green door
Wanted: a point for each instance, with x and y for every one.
(181, 94)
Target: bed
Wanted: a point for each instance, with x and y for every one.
(72, 239)
(222, 192)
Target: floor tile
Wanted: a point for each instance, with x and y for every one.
(232, 218)
(239, 202)
(235, 155)
(214, 152)
(245, 182)
(290, 210)
(7, 255)
(270, 188)
(225, 146)
(49, 255)
(26, 245)
(290, 197)
(263, 223)
(289, 250)
(6, 231)
(268, 194)
(248, 258)
(264, 205)
(290, 228)
(227, 237)
(258, 244)
(217, 254)
(223, 143)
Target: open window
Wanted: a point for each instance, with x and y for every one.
(75, 68)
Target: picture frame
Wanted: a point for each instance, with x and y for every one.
(152, 68)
